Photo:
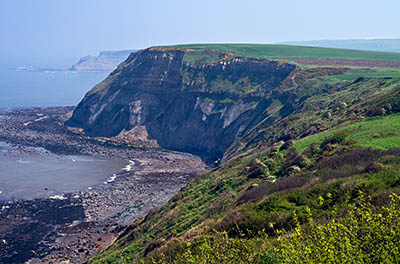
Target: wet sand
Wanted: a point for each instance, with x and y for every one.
(28, 173)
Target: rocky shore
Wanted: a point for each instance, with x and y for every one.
(70, 228)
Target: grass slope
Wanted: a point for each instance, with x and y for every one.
(380, 133)
(242, 198)
(286, 164)
(273, 51)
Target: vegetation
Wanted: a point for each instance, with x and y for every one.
(356, 238)
(245, 204)
(320, 173)
(363, 44)
(269, 51)
(376, 73)
(379, 133)
(367, 234)
(202, 56)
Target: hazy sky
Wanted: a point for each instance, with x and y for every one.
(74, 28)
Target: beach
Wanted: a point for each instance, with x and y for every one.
(150, 177)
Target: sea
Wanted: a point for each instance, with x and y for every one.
(28, 173)
(43, 82)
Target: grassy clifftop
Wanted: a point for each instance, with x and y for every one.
(273, 51)
(331, 139)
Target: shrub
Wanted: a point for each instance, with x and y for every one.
(288, 144)
(373, 167)
(255, 169)
(253, 194)
(337, 138)
(219, 248)
(366, 235)
(356, 157)
(294, 159)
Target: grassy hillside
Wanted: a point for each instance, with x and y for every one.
(273, 51)
(238, 208)
(380, 133)
(327, 153)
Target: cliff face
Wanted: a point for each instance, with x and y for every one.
(185, 100)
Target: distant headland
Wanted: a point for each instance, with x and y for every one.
(106, 61)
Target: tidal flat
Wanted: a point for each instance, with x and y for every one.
(74, 225)
(29, 172)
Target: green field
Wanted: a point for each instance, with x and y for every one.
(271, 51)
(386, 45)
(375, 73)
(381, 133)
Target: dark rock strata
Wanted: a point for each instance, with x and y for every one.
(199, 108)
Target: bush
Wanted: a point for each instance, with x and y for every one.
(294, 159)
(288, 144)
(373, 167)
(356, 157)
(366, 235)
(337, 138)
(219, 248)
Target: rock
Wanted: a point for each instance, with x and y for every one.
(293, 170)
(58, 229)
(327, 115)
(106, 61)
(155, 94)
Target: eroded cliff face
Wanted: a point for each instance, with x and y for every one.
(184, 100)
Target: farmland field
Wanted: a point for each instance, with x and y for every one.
(270, 51)
(352, 63)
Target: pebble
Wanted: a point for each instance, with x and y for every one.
(152, 181)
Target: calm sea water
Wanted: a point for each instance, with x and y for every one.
(33, 172)
(28, 173)
(19, 88)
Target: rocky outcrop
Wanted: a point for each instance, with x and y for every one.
(106, 61)
(184, 100)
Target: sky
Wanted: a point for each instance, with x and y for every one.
(75, 28)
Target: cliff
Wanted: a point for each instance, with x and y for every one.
(289, 136)
(106, 61)
(197, 101)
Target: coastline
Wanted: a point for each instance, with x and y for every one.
(31, 172)
(101, 211)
